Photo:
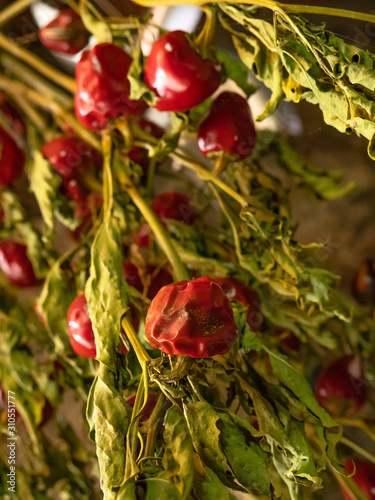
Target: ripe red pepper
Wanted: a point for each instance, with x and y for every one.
(234, 289)
(102, 92)
(12, 159)
(71, 156)
(340, 385)
(178, 74)
(11, 114)
(150, 405)
(155, 281)
(229, 127)
(288, 340)
(65, 34)
(16, 266)
(193, 318)
(364, 477)
(174, 205)
(81, 334)
(364, 282)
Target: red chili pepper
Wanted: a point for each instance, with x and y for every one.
(11, 114)
(178, 74)
(193, 318)
(234, 289)
(16, 266)
(103, 88)
(12, 159)
(174, 205)
(155, 281)
(71, 156)
(65, 34)
(288, 340)
(364, 477)
(229, 127)
(341, 386)
(81, 334)
(150, 405)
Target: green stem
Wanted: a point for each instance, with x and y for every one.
(131, 468)
(201, 172)
(39, 83)
(140, 351)
(220, 163)
(13, 10)
(347, 442)
(205, 38)
(38, 64)
(153, 425)
(160, 233)
(34, 116)
(107, 175)
(53, 107)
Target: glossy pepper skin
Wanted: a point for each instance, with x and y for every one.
(364, 477)
(192, 318)
(11, 114)
(234, 289)
(177, 73)
(71, 156)
(102, 92)
(16, 266)
(81, 334)
(65, 34)
(229, 127)
(12, 159)
(340, 385)
(174, 205)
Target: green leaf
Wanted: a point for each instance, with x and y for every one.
(107, 298)
(178, 453)
(44, 184)
(53, 305)
(202, 422)
(138, 89)
(250, 464)
(296, 383)
(207, 486)
(94, 22)
(236, 72)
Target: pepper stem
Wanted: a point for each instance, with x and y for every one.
(205, 38)
(161, 235)
(38, 64)
(220, 163)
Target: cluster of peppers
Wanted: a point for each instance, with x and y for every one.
(190, 318)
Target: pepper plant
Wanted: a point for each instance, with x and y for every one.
(188, 340)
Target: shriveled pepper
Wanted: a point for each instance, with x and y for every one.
(192, 318)
(103, 88)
